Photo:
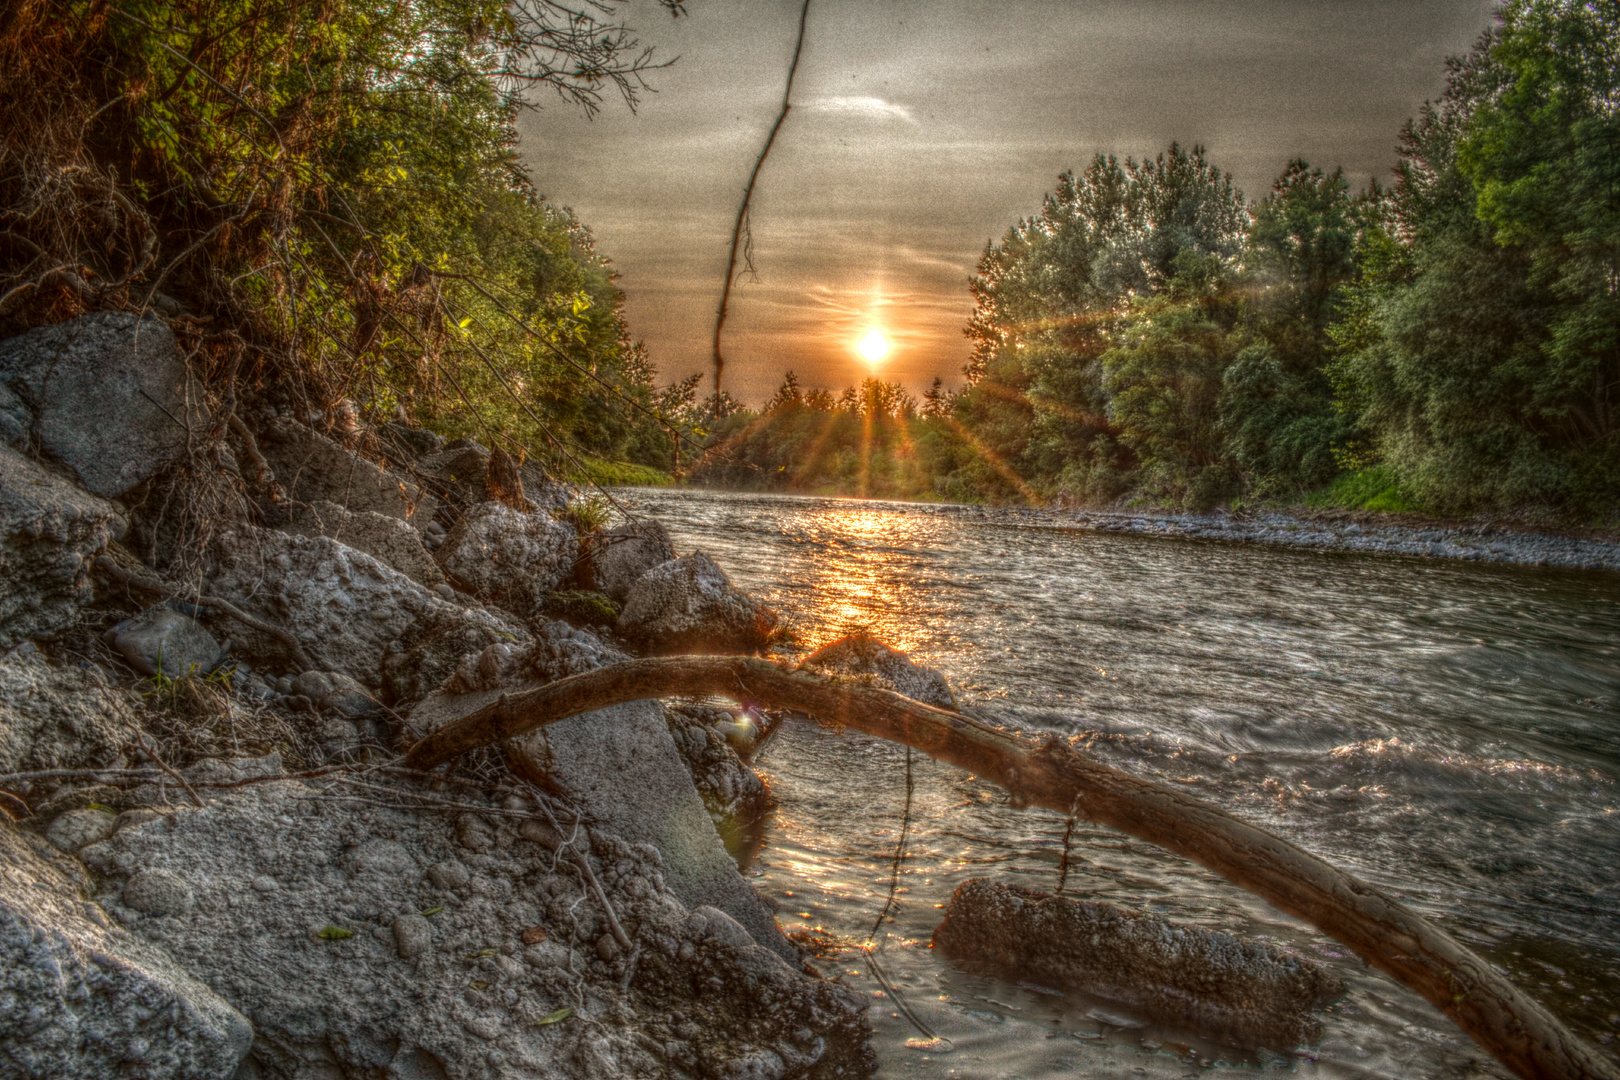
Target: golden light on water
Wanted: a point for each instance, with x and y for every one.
(874, 346)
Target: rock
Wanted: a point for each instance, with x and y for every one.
(688, 605)
(345, 607)
(161, 639)
(49, 532)
(416, 441)
(387, 539)
(863, 655)
(345, 978)
(1249, 994)
(335, 691)
(16, 421)
(77, 828)
(413, 936)
(157, 892)
(509, 557)
(463, 465)
(84, 1001)
(59, 717)
(620, 764)
(734, 795)
(412, 673)
(618, 557)
(313, 469)
(110, 396)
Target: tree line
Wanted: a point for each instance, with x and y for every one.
(1450, 343)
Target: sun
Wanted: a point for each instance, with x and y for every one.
(874, 346)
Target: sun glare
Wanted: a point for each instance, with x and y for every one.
(874, 346)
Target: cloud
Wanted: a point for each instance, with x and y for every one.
(875, 108)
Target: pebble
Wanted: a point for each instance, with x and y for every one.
(78, 828)
(413, 935)
(157, 892)
(450, 874)
(265, 884)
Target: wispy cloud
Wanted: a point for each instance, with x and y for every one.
(873, 107)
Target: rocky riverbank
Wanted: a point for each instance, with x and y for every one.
(221, 623)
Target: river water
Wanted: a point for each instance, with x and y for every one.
(1447, 731)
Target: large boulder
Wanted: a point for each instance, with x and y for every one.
(618, 557)
(312, 468)
(736, 798)
(369, 941)
(109, 394)
(83, 1000)
(1245, 993)
(864, 656)
(346, 608)
(620, 764)
(688, 605)
(50, 529)
(509, 557)
(387, 539)
(463, 466)
(60, 717)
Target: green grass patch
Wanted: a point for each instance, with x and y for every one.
(1372, 489)
(621, 474)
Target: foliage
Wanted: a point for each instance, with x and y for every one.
(332, 190)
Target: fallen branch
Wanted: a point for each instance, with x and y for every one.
(224, 607)
(1050, 773)
(149, 751)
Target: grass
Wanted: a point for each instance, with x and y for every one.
(1372, 489)
(621, 474)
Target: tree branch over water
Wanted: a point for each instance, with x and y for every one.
(748, 195)
(1050, 773)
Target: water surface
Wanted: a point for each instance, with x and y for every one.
(1447, 731)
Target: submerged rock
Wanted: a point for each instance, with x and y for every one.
(50, 530)
(736, 798)
(863, 655)
(619, 763)
(368, 941)
(1248, 994)
(689, 605)
(109, 396)
(84, 1000)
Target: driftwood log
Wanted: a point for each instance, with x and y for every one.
(1050, 773)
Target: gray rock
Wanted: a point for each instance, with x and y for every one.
(864, 656)
(313, 469)
(620, 556)
(77, 828)
(463, 464)
(49, 532)
(354, 1007)
(157, 892)
(84, 1000)
(387, 539)
(16, 421)
(413, 936)
(734, 795)
(1250, 994)
(415, 441)
(412, 673)
(620, 764)
(110, 395)
(688, 605)
(345, 607)
(161, 639)
(59, 717)
(507, 556)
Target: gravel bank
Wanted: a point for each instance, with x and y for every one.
(1479, 543)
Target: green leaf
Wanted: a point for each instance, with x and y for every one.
(432, 911)
(555, 1018)
(335, 933)
(482, 953)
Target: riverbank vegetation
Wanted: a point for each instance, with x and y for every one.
(327, 201)
(1451, 343)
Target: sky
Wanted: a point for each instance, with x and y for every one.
(922, 129)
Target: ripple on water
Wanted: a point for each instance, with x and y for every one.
(1445, 730)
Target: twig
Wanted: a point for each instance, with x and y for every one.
(748, 195)
(140, 740)
(224, 607)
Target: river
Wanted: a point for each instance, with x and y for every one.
(1447, 731)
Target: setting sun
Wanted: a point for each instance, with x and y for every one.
(874, 346)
